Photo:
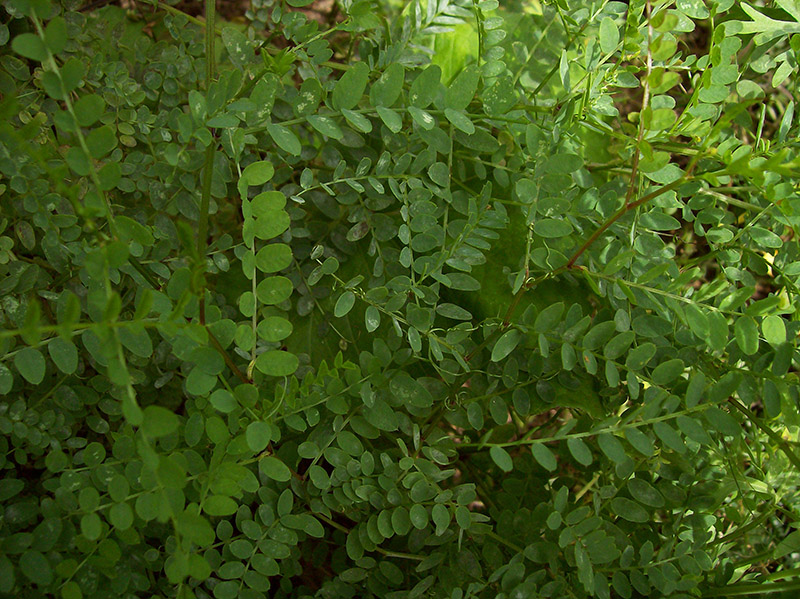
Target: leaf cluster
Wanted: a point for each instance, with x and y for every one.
(454, 300)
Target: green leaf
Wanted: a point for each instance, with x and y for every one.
(668, 371)
(580, 451)
(505, 345)
(409, 391)
(277, 363)
(257, 173)
(746, 331)
(544, 456)
(693, 430)
(91, 526)
(401, 521)
(238, 46)
(425, 86)
(462, 282)
(548, 318)
(273, 468)
(552, 228)
(325, 125)
(88, 109)
(274, 328)
(284, 139)
(350, 443)
(344, 304)
(618, 345)
(640, 441)
(612, 448)
(717, 331)
(609, 35)
(258, 435)
(459, 120)
(30, 46)
(219, 505)
(55, 35)
(121, 516)
(463, 88)
(441, 518)
(159, 421)
(64, 355)
(629, 510)
(357, 120)
(223, 400)
(35, 566)
(101, 141)
(381, 416)
(453, 311)
(385, 91)
(722, 421)
(391, 119)
(422, 118)
(274, 290)
(267, 203)
(273, 257)
(563, 69)
(30, 363)
(774, 329)
(7, 579)
(372, 318)
(271, 224)
(418, 516)
(563, 164)
(109, 176)
(72, 73)
(697, 320)
(348, 90)
(789, 544)
(130, 230)
(439, 174)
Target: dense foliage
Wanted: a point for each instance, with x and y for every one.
(441, 299)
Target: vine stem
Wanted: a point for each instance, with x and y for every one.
(645, 105)
(627, 207)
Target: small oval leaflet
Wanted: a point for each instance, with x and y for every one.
(668, 371)
(344, 304)
(350, 88)
(273, 257)
(274, 469)
(277, 363)
(386, 90)
(505, 345)
(219, 505)
(30, 363)
(544, 456)
(274, 290)
(410, 391)
(746, 331)
(580, 451)
(609, 35)
(628, 510)
(502, 458)
(284, 139)
(645, 493)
